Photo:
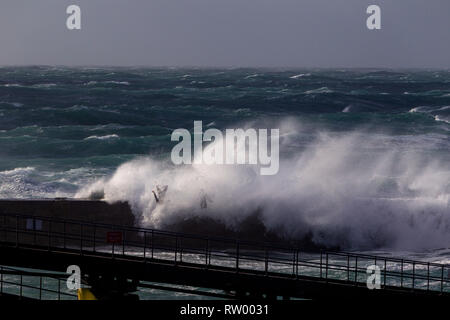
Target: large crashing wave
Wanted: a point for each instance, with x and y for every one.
(354, 190)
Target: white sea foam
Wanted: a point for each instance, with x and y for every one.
(124, 83)
(35, 86)
(319, 90)
(17, 171)
(14, 104)
(106, 137)
(442, 119)
(31, 182)
(427, 109)
(347, 109)
(416, 109)
(435, 112)
(301, 75)
(43, 85)
(344, 190)
(93, 83)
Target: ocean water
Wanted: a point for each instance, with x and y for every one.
(364, 154)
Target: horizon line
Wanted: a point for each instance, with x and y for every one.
(221, 67)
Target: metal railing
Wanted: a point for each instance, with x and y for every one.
(221, 253)
(34, 284)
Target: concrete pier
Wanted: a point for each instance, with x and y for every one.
(96, 211)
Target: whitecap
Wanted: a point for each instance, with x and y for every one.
(109, 136)
(319, 90)
(124, 83)
(242, 110)
(347, 109)
(17, 171)
(43, 85)
(440, 119)
(416, 109)
(14, 104)
(301, 75)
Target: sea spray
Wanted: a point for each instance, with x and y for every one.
(355, 190)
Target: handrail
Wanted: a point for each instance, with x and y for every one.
(40, 275)
(263, 244)
(232, 250)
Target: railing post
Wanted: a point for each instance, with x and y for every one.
(64, 234)
(81, 239)
(40, 287)
(296, 262)
(4, 229)
(414, 274)
(207, 252)
(34, 232)
(21, 285)
(320, 264)
(326, 267)
(49, 233)
(17, 231)
(145, 243)
(113, 245)
(123, 242)
(356, 270)
(176, 248)
(293, 263)
(152, 243)
(428, 276)
(266, 260)
(181, 250)
(237, 256)
(348, 268)
(385, 271)
(442, 278)
(95, 237)
(401, 275)
(375, 261)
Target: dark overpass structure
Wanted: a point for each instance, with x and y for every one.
(116, 260)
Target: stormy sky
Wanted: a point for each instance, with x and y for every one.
(227, 33)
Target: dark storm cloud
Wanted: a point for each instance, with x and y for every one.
(272, 33)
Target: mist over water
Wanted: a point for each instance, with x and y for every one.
(364, 154)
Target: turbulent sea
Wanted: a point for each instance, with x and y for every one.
(364, 154)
